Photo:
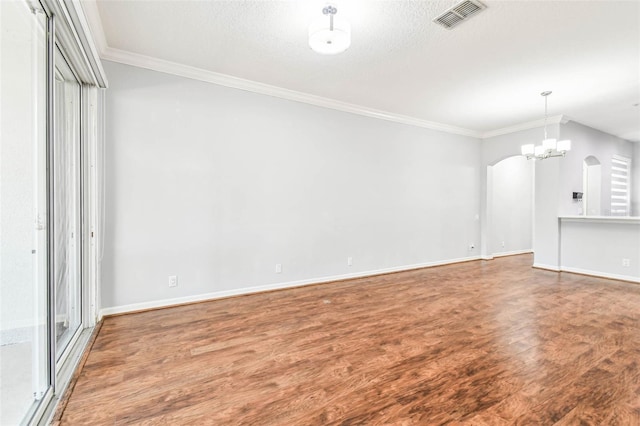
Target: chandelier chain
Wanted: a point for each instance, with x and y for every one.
(545, 117)
(546, 95)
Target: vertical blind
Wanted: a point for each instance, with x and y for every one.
(620, 181)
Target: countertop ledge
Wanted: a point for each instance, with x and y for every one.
(610, 219)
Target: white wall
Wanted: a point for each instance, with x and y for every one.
(558, 178)
(217, 185)
(494, 150)
(635, 180)
(591, 187)
(586, 141)
(546, 236)
(600, 246)
(512, 205)
(17, 124)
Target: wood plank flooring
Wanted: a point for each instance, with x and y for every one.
(485, 342)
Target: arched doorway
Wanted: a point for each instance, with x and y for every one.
(510, 193)
(592, 186)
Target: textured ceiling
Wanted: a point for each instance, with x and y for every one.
(483, 75)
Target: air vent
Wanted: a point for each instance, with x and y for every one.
(459, 13)
(467, 8)
(448, 19)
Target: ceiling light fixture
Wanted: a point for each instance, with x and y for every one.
(549, 147)
(329, 36)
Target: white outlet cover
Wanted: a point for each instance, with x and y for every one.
(173, 280)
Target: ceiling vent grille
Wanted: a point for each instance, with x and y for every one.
(459, 13)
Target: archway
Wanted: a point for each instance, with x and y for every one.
(592, 186)
(510, 193)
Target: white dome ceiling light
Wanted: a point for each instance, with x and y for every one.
(329, 35)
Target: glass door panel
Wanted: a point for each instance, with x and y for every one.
(24, 324)
(66, 205)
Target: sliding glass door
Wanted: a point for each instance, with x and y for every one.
(48, 130)
(66, 206)
(25, 374)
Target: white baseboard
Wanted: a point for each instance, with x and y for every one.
(600, 274)
(512, 253)
(113, 310)
(547, 267)
(588, 272)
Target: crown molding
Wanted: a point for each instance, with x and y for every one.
(92, 13)
(168, 67)
(556, 119)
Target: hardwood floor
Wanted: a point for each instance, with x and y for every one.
(484, 342)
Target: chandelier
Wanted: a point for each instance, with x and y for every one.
(329, 35)
(549, 146)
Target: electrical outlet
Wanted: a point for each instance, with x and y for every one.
(472, 246)
(278, 268)
(503, 244)
(626, 262)
(349, 261)
(173, 280)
